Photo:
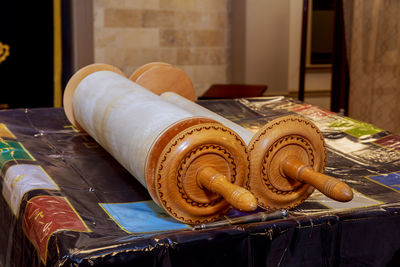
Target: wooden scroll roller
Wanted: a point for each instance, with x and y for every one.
(192, 166)
(287, 155)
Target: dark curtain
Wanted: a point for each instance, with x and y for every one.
(26, 74)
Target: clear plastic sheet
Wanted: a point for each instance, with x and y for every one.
(67, 202)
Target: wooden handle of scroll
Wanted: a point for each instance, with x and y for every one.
(235, 195)
(329, 186)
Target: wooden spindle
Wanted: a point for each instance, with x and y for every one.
(290, 137)
(329, 186)
(237, 196)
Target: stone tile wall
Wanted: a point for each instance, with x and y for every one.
(191, 34)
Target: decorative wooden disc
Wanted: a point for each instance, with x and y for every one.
(161, 77)
(270, 146)
(177, 186)
(159, 145)
(136, 74)
(73, 84)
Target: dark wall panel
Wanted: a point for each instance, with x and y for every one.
(26, 75)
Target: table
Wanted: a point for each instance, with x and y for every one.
(66, 202)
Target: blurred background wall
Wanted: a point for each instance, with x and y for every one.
(213, 41)
(193, 35)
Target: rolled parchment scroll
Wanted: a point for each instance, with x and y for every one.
(192, 166)
(287, 155)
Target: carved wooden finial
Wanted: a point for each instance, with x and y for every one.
(329, 186)
(276, 151)
(237, 196)
(287, 158)
(200, 172)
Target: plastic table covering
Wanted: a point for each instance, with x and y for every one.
(66, 202)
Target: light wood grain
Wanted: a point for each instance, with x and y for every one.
(73, 84)
(161, 77)
(139, 71)
(329, 186)
(237, 196)
(269, 148)
(183, 186)
(159, 145)
(287, 158)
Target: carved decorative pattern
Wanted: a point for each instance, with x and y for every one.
(284, 141)
(289, 118)
(175, 143)
(262, 134)
(186, 162)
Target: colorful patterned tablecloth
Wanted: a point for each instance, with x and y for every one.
(66, 202)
